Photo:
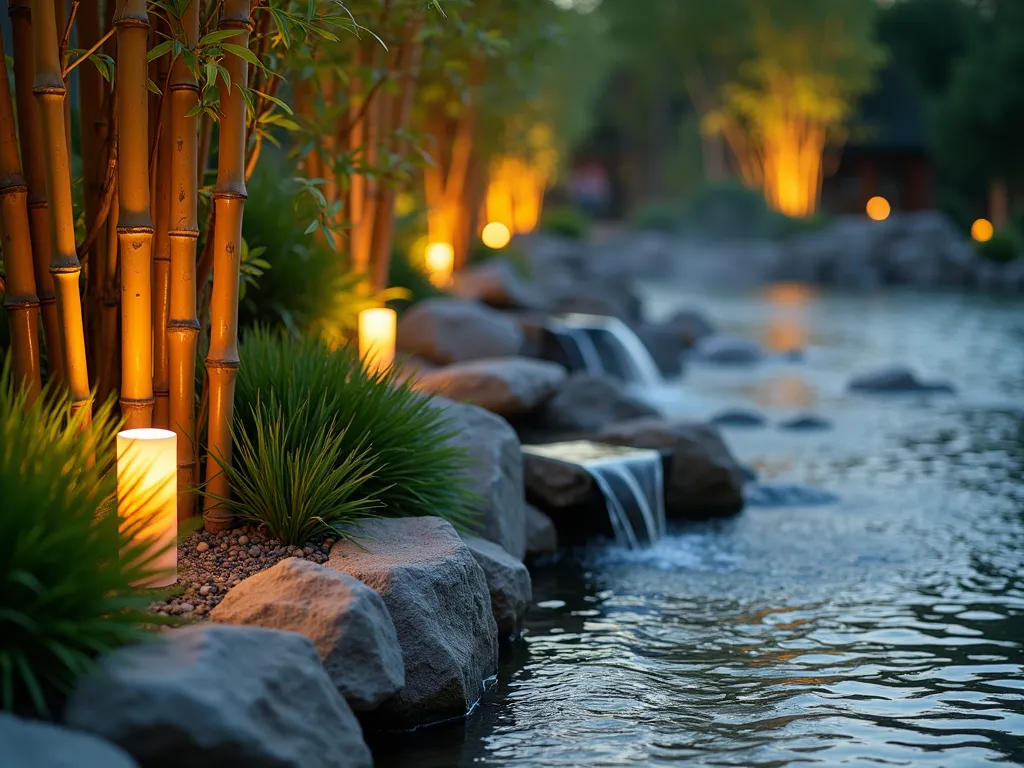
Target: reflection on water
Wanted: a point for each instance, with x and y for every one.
(887, 629)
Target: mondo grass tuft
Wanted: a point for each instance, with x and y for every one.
(326, 398)
(66, 566)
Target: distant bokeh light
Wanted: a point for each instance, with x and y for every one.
(496, 235)
(878, 208)
(982, 230)
(440, 260)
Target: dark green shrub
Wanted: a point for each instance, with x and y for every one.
(1005, 246)
(65, 569)
(728, 210)
(326, 398)
(565, 221)
(662, 216)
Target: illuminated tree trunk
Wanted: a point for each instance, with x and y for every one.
(183, 325)
(21, 301)
(134, 226)
(31, 134)
(229, 204)
(64, 266)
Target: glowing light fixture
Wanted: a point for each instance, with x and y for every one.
(440, 259)
(496, 235)
(982, 230)
(878, 208)
(377, 329)
(147, 496)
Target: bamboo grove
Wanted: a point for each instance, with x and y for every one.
(128, 139)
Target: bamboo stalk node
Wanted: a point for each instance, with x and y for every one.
(222, 364)
(11, 191)
(28, 302)
(183, 326)
(229, 194)
(184, 233)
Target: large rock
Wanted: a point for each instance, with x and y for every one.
(449, 331)
(727, 350)
(510, 386)
(689, 327)
(896, 379)
(346, 620)
(508, 581)
(33, 744)
(438, 599)
(704, 477)
(212, 695)
(665, 347)
(556, 485)
(495, 473)
(541, 536)
(497, 284)
(590, 403)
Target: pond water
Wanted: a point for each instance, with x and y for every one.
(887, 628)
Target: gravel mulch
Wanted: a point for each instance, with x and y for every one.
(210, 564)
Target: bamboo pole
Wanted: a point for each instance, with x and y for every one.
(21, 301)
(31, 135)
(229, 203)
(183, 325)
(162, 267)
(134, 226)
(64, 265)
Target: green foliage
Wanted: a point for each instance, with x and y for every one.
(65, 569)
(1005, 246)
(660, 216)
(565, 221)
(297, 475)
(327, 403)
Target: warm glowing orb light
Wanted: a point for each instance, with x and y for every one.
(377, 337)
(440, 259)
(878, 208)
(147, 497)
(496, 235)
(982, 230)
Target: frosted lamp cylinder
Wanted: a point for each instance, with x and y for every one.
(147, 498)
(377, 329)
(440, 258)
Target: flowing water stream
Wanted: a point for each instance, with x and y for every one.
(885, 629)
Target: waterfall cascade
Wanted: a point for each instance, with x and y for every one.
(603, 345)
(630, 479)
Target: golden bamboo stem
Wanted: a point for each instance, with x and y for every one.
(20, 301)
(229, 204)
(183, 232)
(162, 268)
(30, 133)
(64, 265)
(134, 226)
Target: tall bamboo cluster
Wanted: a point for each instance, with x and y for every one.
(21, 301)
(229, 204)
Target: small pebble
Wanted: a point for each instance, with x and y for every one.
(205, 589)
(187, 607)
(243, 540)
(255, 551)
(202, 546)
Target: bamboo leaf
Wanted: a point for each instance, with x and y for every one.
(243, 53)
(159, 50)
(218, 36)
(275, 100)
(153, 87)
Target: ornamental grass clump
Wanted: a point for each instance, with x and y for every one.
(357, 430)
(66, 570)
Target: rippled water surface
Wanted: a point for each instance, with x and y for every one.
(885, 629)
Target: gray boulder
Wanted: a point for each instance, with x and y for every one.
(508, 581)
(509, 386)
(497, 284)
(727, 350)
(495, 474)
(438, 599)
(212, 695)
(665, 347)
(33, 744)
(689, 327)
(555, 485)
(704, 476)
(346, 620)
(588, 403)
(446, 331)
(896, 379)
(738, 417)
(541, 536)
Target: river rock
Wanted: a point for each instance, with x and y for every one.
(439, 601)
(508, 581)
(508, 386)
(494, 475)
(727, 350)
(689, 327)
(896, 379)
(556, 485)
(739, 417)
(665, 346)
(589, 403)
(805, 422)
(446, 331)
(34, 744)
(497, 284)
(704, 477)
(541, 536)
(212, 695)
(346, 620)
(761, 494)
